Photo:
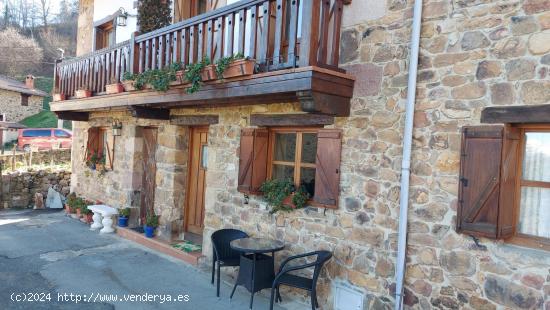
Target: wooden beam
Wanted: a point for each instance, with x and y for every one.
(73, 116)
(315, 102)
(306, 119)
(150, 113)
(526, 114)
(193, 120)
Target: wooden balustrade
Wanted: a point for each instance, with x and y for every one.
(278, 34)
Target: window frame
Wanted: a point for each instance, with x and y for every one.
(25, 100)
(101, 146)
(297, 157)
(519, 238)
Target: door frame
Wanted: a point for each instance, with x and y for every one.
(188, 185)
(143, 128)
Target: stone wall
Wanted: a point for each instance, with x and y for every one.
(10, 105)
(19, 188)
(85, 30)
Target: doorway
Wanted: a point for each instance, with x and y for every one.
(149, 171)
(194, 207)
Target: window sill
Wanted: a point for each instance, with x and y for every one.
(530, 242)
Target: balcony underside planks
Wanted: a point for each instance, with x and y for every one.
(317, 90)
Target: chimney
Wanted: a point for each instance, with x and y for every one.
(29, 81)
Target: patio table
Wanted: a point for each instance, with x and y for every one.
(256, 270)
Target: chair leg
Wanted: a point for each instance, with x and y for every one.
(279, 294)
(314, 303)
(233, 291)
(213, 270)
(218, 282)
(273, 289)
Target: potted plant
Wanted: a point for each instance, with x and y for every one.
(114, 87)
(58, 97)
(128, 80)
(92, 160)
(83, 93)
(87, 214)
(71, 198)
(79, 206)
(151, 222)
(100, 163)
(282, 195)
(197, 73)
(234, 66)
(123, 216)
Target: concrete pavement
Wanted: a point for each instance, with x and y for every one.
(46, 254)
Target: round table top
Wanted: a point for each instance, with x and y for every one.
(257, 245)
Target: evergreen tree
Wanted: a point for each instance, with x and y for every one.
(153, 14)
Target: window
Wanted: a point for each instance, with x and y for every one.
(105, 34)
(33, 133)
(61, 133)
(534, 187)
(184, 9)
(24, 100)
(308, 156)
(100, 146)
(292, 155)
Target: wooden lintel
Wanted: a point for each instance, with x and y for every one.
(194, 120)
(306, 119)
(526, 114)
(73, 116)
(321, 103)
(150, 113)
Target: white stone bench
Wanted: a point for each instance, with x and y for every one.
(103, 218)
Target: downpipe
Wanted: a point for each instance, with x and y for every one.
(400, 265)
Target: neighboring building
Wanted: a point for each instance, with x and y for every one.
(19, 100)
(479, 222)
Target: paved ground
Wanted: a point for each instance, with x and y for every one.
(49, 253)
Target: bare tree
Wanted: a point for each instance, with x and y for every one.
(45, 12)
(18, 54)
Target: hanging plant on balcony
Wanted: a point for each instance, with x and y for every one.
(193, 75)
(153, 14)
(233, 66)
(128, 80)
(282, 195)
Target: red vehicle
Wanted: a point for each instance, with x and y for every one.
(43, 138)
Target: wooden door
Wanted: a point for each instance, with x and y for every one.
(149, 171)
(198, 157)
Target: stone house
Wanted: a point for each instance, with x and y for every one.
(477, 233)
(19, 100)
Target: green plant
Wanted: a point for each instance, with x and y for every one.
(71, 198)
(193, 74)
(124, 212)
(276, 192)
(159, 79)
(224, 62)
(78, 204)
(129, 76)
(84, 210)
(152, 220)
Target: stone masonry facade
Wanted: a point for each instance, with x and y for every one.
(10, 105)
(474, 54)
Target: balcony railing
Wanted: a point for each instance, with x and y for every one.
(278, 34)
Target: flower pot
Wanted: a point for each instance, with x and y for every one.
(129, 85)
(67, 209)
(208, 73)
(83, 93)
(89, 218)
(288, 201)
(58, 97)
(149, 231)
(123, 221)
(99, 167)
(240, 67)
(78, 214)
(180, 77)
(114, 88)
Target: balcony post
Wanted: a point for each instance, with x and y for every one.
(134, 57)
(309, 42)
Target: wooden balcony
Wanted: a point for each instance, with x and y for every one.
(295, 44)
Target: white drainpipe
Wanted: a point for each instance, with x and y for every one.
(406, 161)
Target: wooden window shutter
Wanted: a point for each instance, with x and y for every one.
(91, 145)
(327, 173)
(252, 160)
(110, 152)
(488, 168)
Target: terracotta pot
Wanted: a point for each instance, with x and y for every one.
(208, 73)
(67, 209)
(58, 97)
(180, 77)
(288, 201)
(240, 67)
(78, 214)
(89, 218)
(129, 85)
(99, 166)
(83, 93)
(114, 88)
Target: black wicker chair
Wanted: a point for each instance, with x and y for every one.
(284, 277)
(222, 252)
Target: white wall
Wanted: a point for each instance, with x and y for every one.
(104, 8)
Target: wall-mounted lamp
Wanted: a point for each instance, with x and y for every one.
(122, 18)
(117, 128)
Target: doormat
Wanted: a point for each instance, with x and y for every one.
(187, 246)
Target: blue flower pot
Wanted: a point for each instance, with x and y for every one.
(149, 231)
(122, 221)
